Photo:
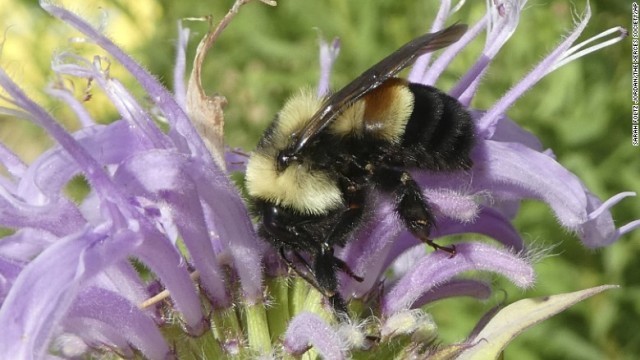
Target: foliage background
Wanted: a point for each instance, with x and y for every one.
(582, 112)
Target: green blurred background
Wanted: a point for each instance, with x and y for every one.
(582, 112)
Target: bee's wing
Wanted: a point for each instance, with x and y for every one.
(374, 77)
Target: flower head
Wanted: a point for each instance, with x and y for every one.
(163, 246)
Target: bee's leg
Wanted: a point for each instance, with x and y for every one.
(310, 279)
(410, 204)
(347, 223)
(325, 266)
(325, 263)
(323, 276)
(326, 290)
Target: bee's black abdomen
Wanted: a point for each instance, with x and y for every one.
(439, 134)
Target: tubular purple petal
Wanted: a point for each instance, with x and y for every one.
(160, 176)
(599, 229)
(42, 118)
(422, 63)
(455, 288)
(41, 186)
(179, 89)
(116, 312)
(465, 89)
(399, 263)
(83, 115)
(15, 213)
(46, 178)
(439, 267)
(158, 94)
(577, 51)
(454, 204)
(25, 244)
(365, 254)
(92, 169)
(14, 165)
(328, 55)
(227, 214)
(489, 222)
(604, 207)
(508, 131)
(149, 135)
(632, 225)
(55, 275)
(442, 62)
(122, 279)
(236, 160)
(308, 329)
(512, 170)
(9, 271)
(487, 124)
(502, 19)
(165, 261)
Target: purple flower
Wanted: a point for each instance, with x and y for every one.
(162, 246)
(156, 197)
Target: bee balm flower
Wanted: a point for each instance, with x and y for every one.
(162, 218)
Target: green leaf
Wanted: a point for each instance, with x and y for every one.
(515, 318)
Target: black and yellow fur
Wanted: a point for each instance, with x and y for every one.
(321, 194)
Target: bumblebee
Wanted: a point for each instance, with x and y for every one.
(311, 178)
